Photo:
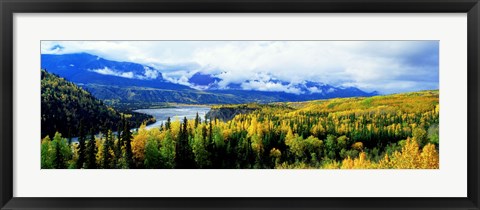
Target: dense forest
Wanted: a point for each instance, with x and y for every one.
(66, 107)
(393, 131)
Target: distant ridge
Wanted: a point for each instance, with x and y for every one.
(132, 82)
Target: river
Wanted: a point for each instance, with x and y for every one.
(161, 115)
(178, 112)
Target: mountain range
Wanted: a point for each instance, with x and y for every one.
(132, 82)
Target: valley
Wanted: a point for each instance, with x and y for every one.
(397, 131)
(240, 105)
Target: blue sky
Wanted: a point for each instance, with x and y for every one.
(384, 66)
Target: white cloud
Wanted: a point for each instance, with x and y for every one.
(314, 90)
(107, 71)
(270, 86)
(179, 77)
(386, 66)
(150, 73)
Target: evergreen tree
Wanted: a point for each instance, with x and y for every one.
(82, 146)
(184, 155)
(92, 151)
(167, 150)
(152, 154)
(204, 135)
(62, 151)
(210, 144)
(59, 158)
(106, 150)
(197, 120)
(168, 124)
(48, 155)
(118, 147)
(210, 133)
(127, 139)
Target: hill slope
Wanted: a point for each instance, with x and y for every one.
(64, 105)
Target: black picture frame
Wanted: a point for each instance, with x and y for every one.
(10, 7)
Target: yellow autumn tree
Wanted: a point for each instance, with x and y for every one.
(275, 154)
(138, 144)
(429, 157)
(361, 162)
(385, 163)
(409, 157)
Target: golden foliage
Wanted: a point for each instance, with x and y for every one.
(357, 146)
(340, 133)
(358, 163)
(410, 157)
(138, 144)
(274, 152)
(429, 157)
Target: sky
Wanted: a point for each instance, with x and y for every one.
(383, 66)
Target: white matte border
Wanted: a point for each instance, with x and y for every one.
(448, 181)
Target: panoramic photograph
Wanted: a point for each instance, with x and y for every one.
(239, 105)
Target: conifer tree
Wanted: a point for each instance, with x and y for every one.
(82, 147)
(47, 154)
(117, 145)
(59, 158)
(152, 154)
(92, 151)
(127, 139)
(106, 150)
(197, 120)
(184, 155)
(168, 124)
(62, 151)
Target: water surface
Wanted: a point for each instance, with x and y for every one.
(178, 112)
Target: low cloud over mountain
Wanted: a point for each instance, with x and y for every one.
(385, 66)
(128, 81)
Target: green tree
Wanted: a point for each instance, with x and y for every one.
(420, 135)
(127, 140)
(331, 147)
(313, 145)
(433, 134)
(82, 147)
(152, 154)
(342, 142)
(184, 156)
(48, 154)
(106, 162)
(168, 124)
(197, 120)
(92, 151)
(199, 148)
(117, 145)
(167, 150)
(62, 151)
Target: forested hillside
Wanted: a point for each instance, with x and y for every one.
(66, 108)
(394, 131)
